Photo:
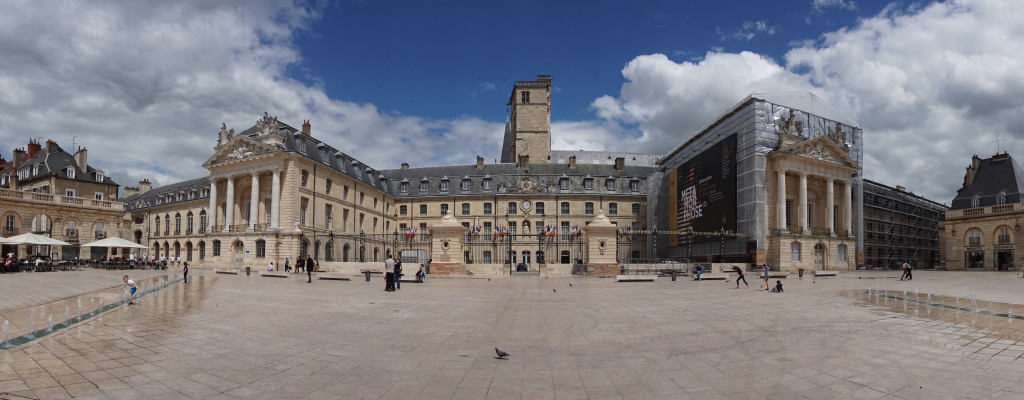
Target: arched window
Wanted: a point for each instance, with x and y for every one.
(376, 253)
(202, 251)
(974, 237)
(177, 224)
(188, 251)
(841, 253)
(305, 177)
(794, 251)
(304, 249)
(157, 231)
(345, 250)
(167, 224)
(1003, 235)
(41, 223)
(189, 223)
(316, 250)
(202, 221)
(177, 249)
(100, 230)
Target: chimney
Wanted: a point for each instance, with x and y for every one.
(971, 170)
(20, 156)
(82, 159)
(524, 161)
(620, 163)
(901, 188)
(33, 148)
(479, 162)
(306, 128)
(572, 161)
(144, 186)
(51, 147)
(405, 165)
(130, 190)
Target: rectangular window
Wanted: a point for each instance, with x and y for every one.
(465, 185)
(487, 184)
(524, 96)
(344, 220)
(588, 183)
(98, 195)
(261, 248)
(344, 192)
(810, 215)
(634, 186)
(789, 213)
(216, 248)
(487, 229)
(609, 184)
(69, 192)
(794, 251)
(362, 198)
(488, 209)
(444, 186)
(303, 206)
(635, 209)
(423, 210)
(444, 209)
(403, 211)
(588, 208)
(403, 187)
(9, 225)
(362, 220)
(563, 183)
(540, 208)
(423, 186)
(564, 227)
(327, 189)
(613, 209)
(511, 208)
(328, 215)
(465, 208)
(565, 208)
(71, 173)
(841, 254)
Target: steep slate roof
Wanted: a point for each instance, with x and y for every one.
(999, 174)
(509, 176)
(149, 198)
(59, 162)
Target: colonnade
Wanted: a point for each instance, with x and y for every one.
(801, 209)
(229, 215)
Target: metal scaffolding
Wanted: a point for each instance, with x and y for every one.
(899, 226)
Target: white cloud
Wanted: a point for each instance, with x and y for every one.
(145, 86)
(748, 30)
(821, 5)
(930, 86)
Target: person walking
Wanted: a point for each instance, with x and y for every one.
(310, 263)
(287, 265)
(739, 272)
(910, 271)
(184, 273)
(131, 293)
(906, 270)
(389, 275)
(766, 276)
(398, 273)
(299, 263)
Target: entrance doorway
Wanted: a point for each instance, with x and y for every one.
(819, 257)
(239, 252)
(1004, 260)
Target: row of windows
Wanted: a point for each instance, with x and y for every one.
(1002, 236)
(182, 195)
(796, 247)
(486, 184)
(513, 207)
(329, 185)
(189, 221)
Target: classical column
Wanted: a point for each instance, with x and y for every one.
(830, 204)
(803, 202)
(780, 208)
(229, 209)
(254, 203)
(848, 208)
(275, 204)
(212, 212)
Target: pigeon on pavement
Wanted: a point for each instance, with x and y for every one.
(570, 284)
(501, 354)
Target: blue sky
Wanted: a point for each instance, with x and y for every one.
(447, 59)
(145, 85)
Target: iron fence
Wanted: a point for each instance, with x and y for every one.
(529, 249)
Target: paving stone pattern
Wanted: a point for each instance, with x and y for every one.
(239, 337)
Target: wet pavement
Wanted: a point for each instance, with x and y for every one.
(233, 336)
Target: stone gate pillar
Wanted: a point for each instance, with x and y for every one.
(600, 236)
(446, 247)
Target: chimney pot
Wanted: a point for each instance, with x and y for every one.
(306, 129)
(33, 148)
(82, 159)
(572, 161)
(144, 186)
(405, 165)
(620, 163)
(479, 162)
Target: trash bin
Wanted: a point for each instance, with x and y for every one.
(367, 275)
(800, 273)
(674, 273)
(247, 271)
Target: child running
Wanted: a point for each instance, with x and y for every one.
(131, 293)
(739, 272)
(184, 273)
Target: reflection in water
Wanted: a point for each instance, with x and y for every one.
(991, 321)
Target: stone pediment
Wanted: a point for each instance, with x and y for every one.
(821, 148)
(238, 148)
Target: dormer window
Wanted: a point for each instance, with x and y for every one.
(588, 183)
(444, 185)
(634, 185)
(975, 201)
(423, 185)
(609, 184)
(486, 184)
(99, 176)
(1001, 198)
(71, 173)
(403, 187)
(35, 170)
(563, 183)
(465, 184)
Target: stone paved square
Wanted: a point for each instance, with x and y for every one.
(252, 337)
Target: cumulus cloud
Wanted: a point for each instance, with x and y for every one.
(145, 85)
(930, 86)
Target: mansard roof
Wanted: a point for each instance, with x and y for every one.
(59, 162)
(149, 199)
(996, 176)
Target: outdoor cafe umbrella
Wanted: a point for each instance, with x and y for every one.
(115, 242)
(31, 238)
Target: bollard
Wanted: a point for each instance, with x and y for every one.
(800, 273)
(248, 270)
(674, 273)
(367, 275)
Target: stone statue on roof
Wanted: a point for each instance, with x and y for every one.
(224, 135)
(266, 125)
